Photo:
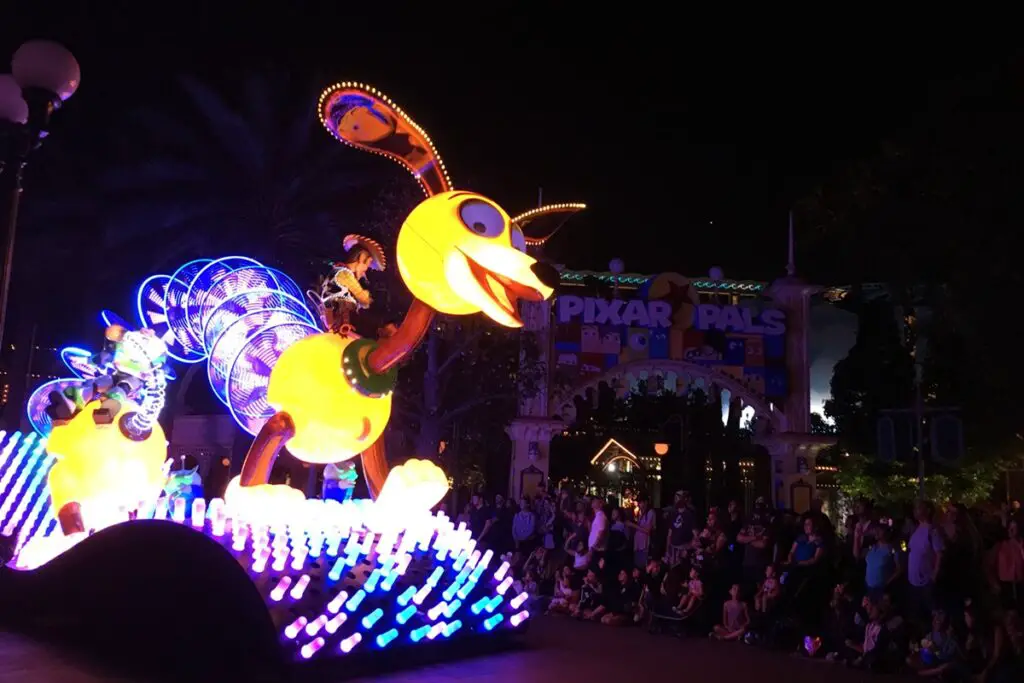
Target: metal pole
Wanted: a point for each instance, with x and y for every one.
(11, 184)
(919, 419)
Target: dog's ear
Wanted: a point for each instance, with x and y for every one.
(365, 118)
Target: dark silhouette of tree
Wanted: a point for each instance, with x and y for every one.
(704, 452)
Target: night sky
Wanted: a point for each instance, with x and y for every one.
(674, 136)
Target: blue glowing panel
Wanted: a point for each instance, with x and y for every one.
(288, 286)
(249, 374)
(150, 303)
(79, 361)
(201, 284)
(228, 345)
(110, 318)
(238, 305)
(39, 401)
(176, 301)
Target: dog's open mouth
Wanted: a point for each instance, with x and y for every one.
(505, 291)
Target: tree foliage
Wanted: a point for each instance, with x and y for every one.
(690, 423)
(933, 216)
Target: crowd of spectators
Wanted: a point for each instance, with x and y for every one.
(935, 593)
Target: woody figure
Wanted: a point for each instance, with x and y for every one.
(343, 292)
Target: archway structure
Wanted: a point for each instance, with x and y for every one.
(676, 376)
(742, 337)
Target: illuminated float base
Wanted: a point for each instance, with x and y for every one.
(367, 583)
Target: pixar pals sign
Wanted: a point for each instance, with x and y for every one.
(593, 335)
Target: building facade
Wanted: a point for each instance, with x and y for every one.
(743, 341)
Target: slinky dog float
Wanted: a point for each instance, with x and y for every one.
(358, 577)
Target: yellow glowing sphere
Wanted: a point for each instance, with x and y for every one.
(102, 469)
(333, 421)
(455, 254)
(413, 486)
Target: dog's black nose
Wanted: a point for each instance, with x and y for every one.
(545, 273)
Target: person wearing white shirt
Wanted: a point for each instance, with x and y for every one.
(598, 540)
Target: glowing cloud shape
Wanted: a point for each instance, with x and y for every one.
(455, 254)
(333, 421)
(417, 485)
(265, 502)
(101, 469)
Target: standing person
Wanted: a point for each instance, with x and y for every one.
(881, 566)
(757, 544)
(481, 518)
(598, 538)
(524, 527)
(925, 548)
(643, 529)
(682, 529)
(544, 509)
(1009, 568)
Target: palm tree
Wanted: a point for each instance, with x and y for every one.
(253, 175)
(245, 171)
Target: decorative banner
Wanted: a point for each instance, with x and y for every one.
(665, 320)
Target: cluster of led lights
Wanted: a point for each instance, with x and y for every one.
(383, 577)
(24, 498)
(237, 314)
(324, 109)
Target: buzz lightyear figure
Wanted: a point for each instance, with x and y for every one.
(339, 481)
(343, 292)
(135, 358)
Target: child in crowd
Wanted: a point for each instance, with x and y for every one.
(580, 553)
(939, 651)
(565, 596)
(840, 627)
(590, 596)
(871, 651)
(693, 597)
(768, 593)
(735, 617)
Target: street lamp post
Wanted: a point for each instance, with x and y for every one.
(43, 75)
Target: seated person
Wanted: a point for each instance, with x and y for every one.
(590, 596)
(735, 617)
(565, 596)
(768, 592)
(938, 651)
(870, 653)
(693, 597)
(650, 596)
(620, 602)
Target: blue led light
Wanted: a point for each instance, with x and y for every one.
(371, 583)
(452, 608)
(372, 618)
(490, 623)
(386, 637)
(450, 591)
(467, 588)
(406, 596)
(493, 604)
(451, 628)
(479, 605)
(435, 576)
(353, 603)
(406, 614)
(336, 570)
(419, 634)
